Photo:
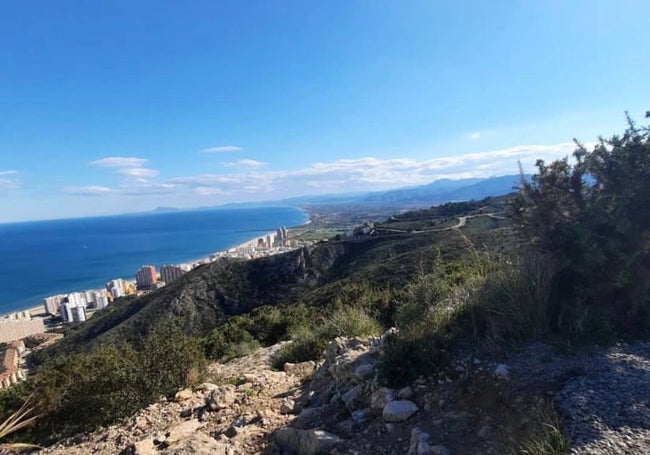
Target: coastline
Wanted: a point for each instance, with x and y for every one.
(39, 310)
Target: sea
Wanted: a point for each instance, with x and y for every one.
(43, 258)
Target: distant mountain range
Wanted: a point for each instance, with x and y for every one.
(437, 192)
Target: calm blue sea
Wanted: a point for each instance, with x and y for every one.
(42, 258)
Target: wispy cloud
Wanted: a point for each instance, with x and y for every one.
(245, 163)
(247, 179)
(119, 161)
(208, 180)
(139, 172)
(143, 188)
(90, 190)
(368, 173)
(9, 180)
(475, 136)
(206, 191)
(222, 149)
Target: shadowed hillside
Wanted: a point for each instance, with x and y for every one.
(312, 275)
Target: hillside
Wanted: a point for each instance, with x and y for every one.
(314, 275)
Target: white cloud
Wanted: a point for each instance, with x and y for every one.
(367, 173)
(208, 180)
(222, 149)
(139, 172)
(4, 173)
(90, 190)
(248, 180)
(119, 161)
(475, 136)
(245, 163)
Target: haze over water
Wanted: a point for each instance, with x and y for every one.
(49, 257)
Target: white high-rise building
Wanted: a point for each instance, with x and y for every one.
(53, 303)
(101, 299)
(74, 309)
(117, 287)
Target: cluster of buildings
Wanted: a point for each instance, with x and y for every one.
(74, 307)
(271, 243)
(13, 328)
(11, 372)
(19, 325)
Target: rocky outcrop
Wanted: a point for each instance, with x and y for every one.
(337, 406)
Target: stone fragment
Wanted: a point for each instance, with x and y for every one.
(287, 407)
(207, 387)
(220, 398)
(484, 432)
(306, 442)
(182, 431)
(502, 371)
(398, 411)
(419, 444)
(361, 415)
(405, 393)
(353, 398)
(144, 447)
(199, 444)
(381, 397)
(302, 369)
(440, 450)
(364, 371)
(183, 395)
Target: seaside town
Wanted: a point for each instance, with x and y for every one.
(31, 329)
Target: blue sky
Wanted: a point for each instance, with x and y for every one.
(122, 106)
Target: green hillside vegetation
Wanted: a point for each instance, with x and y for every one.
(570, 261)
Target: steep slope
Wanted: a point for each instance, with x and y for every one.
(205, 296)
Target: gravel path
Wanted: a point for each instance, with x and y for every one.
(602, 395)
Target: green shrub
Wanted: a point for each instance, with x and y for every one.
(263, 326)
(591, 214)
(513, 301)
(309, 342)
(306, 344)
(352, 322)
(83, 391)
(405, 359)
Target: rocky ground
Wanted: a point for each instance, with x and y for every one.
(483, 404)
